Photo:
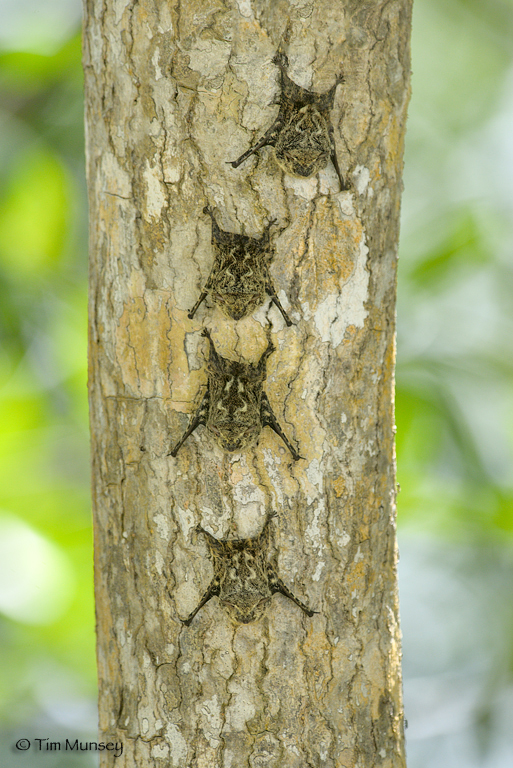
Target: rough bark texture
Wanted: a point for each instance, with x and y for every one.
(173, 91)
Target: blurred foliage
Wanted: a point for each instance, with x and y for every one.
(455, 320)
(454, 400)
(454, 397)
(47, 676)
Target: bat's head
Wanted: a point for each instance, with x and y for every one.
(233, 436)
(246, 612)
(241, 304)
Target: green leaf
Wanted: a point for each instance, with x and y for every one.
(34, 214)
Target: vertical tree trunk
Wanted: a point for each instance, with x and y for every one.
(174, 91)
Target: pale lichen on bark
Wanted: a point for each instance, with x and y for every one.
(174, 91)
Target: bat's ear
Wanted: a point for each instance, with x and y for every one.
(265, 536)
(280, 59)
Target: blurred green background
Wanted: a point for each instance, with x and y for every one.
(454, 394)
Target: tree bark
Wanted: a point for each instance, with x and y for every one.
(174, 91)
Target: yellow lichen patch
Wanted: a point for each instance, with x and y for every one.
(347, 759)
(356, 579)
(143, 356)
(131, 415)
(238, 472)
(373, 663)
(128, 341)
(394, 142)
(154, 235)
(323, 248)
(339, 486)
(293, 386)
(361, 689)
(184, 384)
(244, 340)
(154, 349)
(318, 665)
(207, 755)
(113, 231)
(376, 171)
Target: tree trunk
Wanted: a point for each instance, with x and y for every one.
(173, 92)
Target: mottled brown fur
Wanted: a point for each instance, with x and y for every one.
(302, 134)
(235, 408)
(245, 577)
(239, 279)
